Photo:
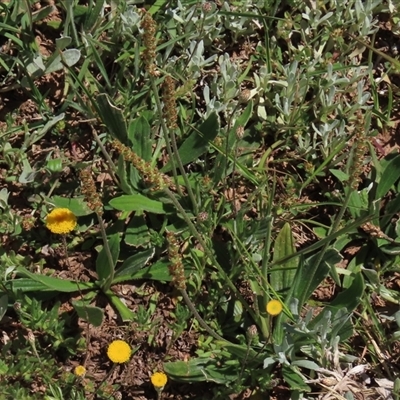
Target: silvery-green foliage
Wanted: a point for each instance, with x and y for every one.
(356, 15)
(326, 132)
(226, 86)
(196, 60)
(223, 88)
(130, 20)
(212, 104)
(364, 17)
(194, 22)
(312, 340)
(294, 87)
(239, 25)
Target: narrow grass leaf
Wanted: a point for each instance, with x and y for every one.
(93, 15)
(156, 6)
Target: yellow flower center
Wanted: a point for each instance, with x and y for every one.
(274, 307)
(61, 221)
(159, 379)
(80, 370)
(119, 351)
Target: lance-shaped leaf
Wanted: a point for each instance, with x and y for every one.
(282, 276)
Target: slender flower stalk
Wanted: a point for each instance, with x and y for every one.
(94, 202)
(159, 380)
(166, 133)
(169, 129)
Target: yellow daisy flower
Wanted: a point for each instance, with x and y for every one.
(274, 307)
(61, 221)
(119, 351)
(159, 380)
(80, 370)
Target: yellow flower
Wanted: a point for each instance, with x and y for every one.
(61, 221)
(80, 370)
(274, 307)
(159, 379)
(119, 351)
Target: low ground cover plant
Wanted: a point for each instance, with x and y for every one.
(199, 199)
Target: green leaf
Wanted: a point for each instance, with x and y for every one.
(77, 205)
(63, 42)
(42, 13)
(3, 367)
(244, 118)
(305, 283)
(198, 142)
(103, 267)
(157, 271)
(294, 380)
(351, 297)
(3, 305)
(133, 264)
(125, 313)
(390, 175)
(70, 57)
(186, 371)
(157, 5)
(306, 364)
(392, 207)
(54, 165)
(139, 135)
(47, 283)
(220, 167)
(201, 370)
(27, 285)
(137, 202)
(339, 174)
(91, 314)
(252, 357)
(113, 118)
(358, 202)
(93, 15)
(282, 280)
(123, 176)
(137, 232)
